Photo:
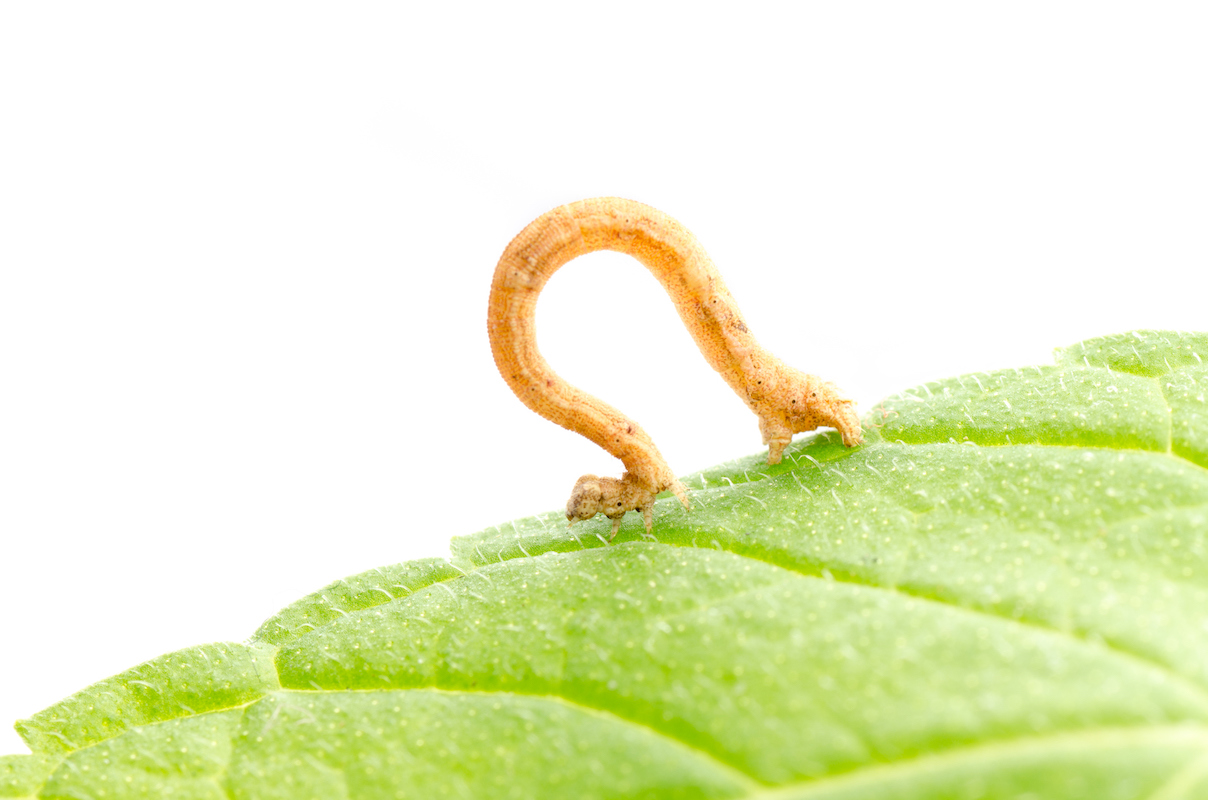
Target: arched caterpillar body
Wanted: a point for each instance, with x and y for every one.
(785, 400)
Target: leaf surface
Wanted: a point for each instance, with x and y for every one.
(1003, 592)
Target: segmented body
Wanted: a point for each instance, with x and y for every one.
(785, 400)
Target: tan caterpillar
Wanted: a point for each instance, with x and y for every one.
(785, 400)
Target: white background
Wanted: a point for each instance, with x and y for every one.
(245, 252)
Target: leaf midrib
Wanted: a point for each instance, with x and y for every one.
(1174, 734)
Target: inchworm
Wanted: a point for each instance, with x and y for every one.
(785, 400)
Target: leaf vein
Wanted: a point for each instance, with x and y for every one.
(1164, 669)
(1167, 735)
(733, 772)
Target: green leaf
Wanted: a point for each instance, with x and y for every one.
(1004, 593)
(190, 681)
(366, 590)
(22, 776)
